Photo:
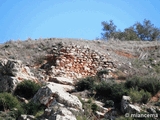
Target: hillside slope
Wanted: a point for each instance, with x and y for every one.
(121, 53)
(61, 64)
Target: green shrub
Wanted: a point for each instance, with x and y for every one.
(39, 113)
(118, 90)
(145, 96)
(157, 69)
(133, 82)
(103, 89)
(11, 103)
(109, 103)
(9, 115)
(81, 117)
(32, 108)
(110, 90)
(94, 107)
(8, 101)
(85, 84)
(27, 89)
(135, 96)
(139, 96)
(151, 85)
(89, 108)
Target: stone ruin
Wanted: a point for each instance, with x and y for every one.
(74, 61)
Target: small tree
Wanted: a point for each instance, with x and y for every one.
(109, 29)
(146, 31)
(138, 31)
(130, 34)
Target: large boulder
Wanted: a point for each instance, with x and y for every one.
(11, 73)
(9, 67)
(126, 100)
(127, 107)
(7, 83)
(53, 93)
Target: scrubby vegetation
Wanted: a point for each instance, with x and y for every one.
(8, 101)
(13, 107)
(10, 105)
(86, 84)
(27, 89)
(90, 109)
(139, 96)
(109, 90)
(151, 85)
(32, 108)
(140, 89)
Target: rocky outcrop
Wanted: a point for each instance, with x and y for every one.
(54, 94)
(7, 83)
(127, 107)
(11, 73)
(126, 100)
(151, 109)
(59, 113)
(9, 67)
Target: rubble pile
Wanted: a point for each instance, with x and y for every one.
(76, 61)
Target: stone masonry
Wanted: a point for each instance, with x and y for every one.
(76, 61)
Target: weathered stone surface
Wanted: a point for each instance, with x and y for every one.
(52, 93)
(9, 67)
(7, 83)
(111, 114)
(11, 73)
(65, 115)
(58, 101)
(100, 114)
(58, 112)
(27, 117)
(83, 94)
(61, 80)
(126, 100)
(149, 108)
(22, 99)
(133, 109)
(127, 107)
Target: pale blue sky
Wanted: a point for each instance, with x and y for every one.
(22, 19)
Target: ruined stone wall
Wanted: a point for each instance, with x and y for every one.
(77, 61)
